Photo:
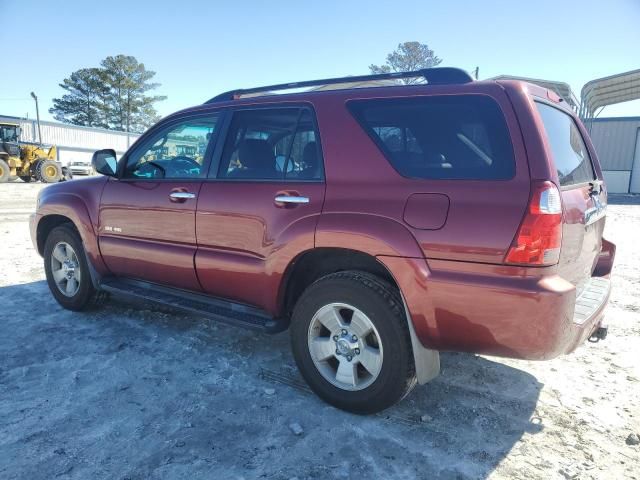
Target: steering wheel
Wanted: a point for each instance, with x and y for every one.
(185, 164)
(144, 167)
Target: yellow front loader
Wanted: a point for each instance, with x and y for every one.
(28, 161)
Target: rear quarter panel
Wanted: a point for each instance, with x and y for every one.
(483, 215)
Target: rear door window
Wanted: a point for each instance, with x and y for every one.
(569, 151)
(270, 144)
(440, 137)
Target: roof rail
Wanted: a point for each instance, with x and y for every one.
(433, 76)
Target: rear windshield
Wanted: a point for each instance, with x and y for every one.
(440, 137)
(569, 152)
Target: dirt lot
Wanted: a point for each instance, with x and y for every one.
(143, 392)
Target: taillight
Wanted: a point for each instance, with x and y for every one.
(540, 233)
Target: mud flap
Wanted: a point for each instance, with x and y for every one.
(427, 361)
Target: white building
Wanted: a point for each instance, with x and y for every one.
(74, 143)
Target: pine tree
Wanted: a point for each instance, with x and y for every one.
(113, 96)
(84, 102)
(130, 108)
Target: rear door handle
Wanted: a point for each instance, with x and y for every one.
(182, 195)
(291, 199)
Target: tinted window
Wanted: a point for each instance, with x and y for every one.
(463, 137)
(271, 144)
(177, 151)
(570, 154)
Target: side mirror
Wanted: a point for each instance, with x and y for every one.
(104, 161)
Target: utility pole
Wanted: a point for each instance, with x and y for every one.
(38, 118)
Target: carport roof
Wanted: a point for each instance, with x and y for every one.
(601, 92)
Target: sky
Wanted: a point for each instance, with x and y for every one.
(202, 48)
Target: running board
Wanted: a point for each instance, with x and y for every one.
(214, 308)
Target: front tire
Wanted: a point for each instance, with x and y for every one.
(351, 342)
(48, 171)
(67, 270)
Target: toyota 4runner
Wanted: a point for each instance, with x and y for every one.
(380, 224)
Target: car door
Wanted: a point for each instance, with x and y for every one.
(147, 214)
(260, 207)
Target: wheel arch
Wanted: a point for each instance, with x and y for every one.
(58, 208)
(47, 224)
(316, 263)
(373, 234)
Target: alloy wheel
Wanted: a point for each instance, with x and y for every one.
(345, 346)
(65, 269)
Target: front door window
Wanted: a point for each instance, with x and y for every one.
(178, 151)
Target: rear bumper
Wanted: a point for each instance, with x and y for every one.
(494, 313)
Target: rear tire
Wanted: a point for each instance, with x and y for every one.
(5, 171)
(355, 371)
(67, 270)
(49, 171)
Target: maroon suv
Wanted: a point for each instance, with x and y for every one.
(381, 224)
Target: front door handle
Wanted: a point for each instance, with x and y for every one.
(182, 195)
(291, 199)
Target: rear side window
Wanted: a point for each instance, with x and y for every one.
(570, 154)
(440, 137)
(270, 144)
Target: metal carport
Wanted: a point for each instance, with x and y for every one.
(601, 92)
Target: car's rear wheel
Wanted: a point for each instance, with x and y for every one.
(67, 270)
(351, 342)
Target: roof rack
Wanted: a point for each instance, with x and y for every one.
(433, 76)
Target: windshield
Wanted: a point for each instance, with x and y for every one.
(8, 133)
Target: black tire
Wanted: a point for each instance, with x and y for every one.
(26, 179)
(86, 296)
(381, 303)
(66, 174)
(49, 171)
(5, 171)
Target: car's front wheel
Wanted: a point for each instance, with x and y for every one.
(67, 270)
(351, 342)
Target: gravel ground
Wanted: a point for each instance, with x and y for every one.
(134, 392)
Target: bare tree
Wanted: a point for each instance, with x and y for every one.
(408, 57)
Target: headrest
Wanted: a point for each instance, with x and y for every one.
(255, 153)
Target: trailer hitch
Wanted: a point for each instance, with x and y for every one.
(599, 333)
